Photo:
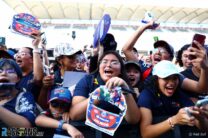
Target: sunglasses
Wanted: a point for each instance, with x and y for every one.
(56, 104)
(112, 63)
(159, 50)
(9, 71)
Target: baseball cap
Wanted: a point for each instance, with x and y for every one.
(65, 49)
(5, 54)
(11, 52)
(61, 93)
(133, 63)
(164, 69)
(169, 48)
(109, 43)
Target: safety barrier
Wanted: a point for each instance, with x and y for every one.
(127, 131)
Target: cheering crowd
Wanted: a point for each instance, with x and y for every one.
(32, 92)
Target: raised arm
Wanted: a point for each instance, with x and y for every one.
(129, 45)
(37, 62)
(201, 62)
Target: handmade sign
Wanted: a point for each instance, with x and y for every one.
(25, 24)
(101, 119)
(101, 30)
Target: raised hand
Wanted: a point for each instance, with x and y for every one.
(200, 53)
(116, 81)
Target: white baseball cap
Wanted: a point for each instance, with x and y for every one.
(164, 69)
(65, 49)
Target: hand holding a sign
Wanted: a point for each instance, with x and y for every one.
(25, 24)
(132, 113)
(101, 30)
(36, 40)
(116, 81)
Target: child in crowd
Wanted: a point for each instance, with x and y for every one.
(134, 74)
(57, 115)
(17, 107)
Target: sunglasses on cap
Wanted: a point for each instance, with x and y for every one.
(159, 50)
(56, 104)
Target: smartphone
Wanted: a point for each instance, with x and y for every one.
(199, 38)
(202, 102)
(187, 110)
(44, 41)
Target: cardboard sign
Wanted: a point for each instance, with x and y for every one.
(25, 24)
(71, 78)
(101, 119)
(101, 30)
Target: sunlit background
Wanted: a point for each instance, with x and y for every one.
(179, 20)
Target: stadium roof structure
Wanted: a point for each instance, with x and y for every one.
(178, 13)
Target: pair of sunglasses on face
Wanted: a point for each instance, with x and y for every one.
(9, 71)
(56, 104)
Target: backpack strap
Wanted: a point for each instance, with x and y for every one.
(146, 73)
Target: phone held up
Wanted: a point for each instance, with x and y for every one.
(199, 38)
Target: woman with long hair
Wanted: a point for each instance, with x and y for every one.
(111, 73)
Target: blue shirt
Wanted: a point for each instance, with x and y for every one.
(87, 85)
(189, 74)
(57, 77)
(28, 83)
(161, 105)
(23, 104)
(144, 67)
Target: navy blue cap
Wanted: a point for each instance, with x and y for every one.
(109, 43)
(61, 93)
(168, 47)
(5, 54)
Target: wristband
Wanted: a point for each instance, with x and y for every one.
(61, 123)
(126, 91)
(36, 51)
(171, 123)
